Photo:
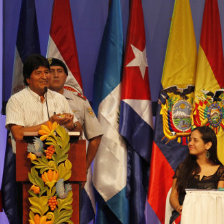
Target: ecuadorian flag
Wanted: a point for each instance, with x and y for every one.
(173, 118)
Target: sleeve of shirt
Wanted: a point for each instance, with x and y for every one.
(14, 113)
(92, 126)
(68, 109)
(221, 173)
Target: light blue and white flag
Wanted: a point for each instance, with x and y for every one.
(110, 166)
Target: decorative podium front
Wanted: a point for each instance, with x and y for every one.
(77, 157)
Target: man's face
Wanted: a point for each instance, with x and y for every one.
(57, 78)
(38, 80)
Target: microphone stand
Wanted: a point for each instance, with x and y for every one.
(45, 93)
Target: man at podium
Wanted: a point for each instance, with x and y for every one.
(26, 111)
(33, 106)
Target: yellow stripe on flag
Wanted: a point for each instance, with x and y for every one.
(208, 99)
(180, 62)
(205, 78)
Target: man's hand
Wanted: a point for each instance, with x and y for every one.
(62, 119)
(92, 150)
(66, 120)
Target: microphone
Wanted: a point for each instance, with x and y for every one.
(45, 94)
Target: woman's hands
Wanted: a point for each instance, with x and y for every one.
(179, 209)
(174, 200)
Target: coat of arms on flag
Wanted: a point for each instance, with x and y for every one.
(176, 108)
(174, 112)
(209, 93)
(209, 110)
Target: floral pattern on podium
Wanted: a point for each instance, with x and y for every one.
(50, 196)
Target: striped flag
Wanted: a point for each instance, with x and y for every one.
(110, 165)
(0, 201)
(62, 44)
(173, 118)
(209, 97)
(136, 113)
(27, 41)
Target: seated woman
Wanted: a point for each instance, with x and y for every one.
(200, 170)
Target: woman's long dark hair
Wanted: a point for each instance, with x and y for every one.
(190, 166)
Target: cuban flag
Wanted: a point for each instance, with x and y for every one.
(176, 97)
(110, 164)
(136, 113)
(27, 42)
(62, 44)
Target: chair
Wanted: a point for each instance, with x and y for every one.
(169, 208)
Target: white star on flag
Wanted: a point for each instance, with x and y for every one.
(140, 60)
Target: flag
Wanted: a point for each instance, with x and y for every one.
(27, 42)
(209, 95)
(3, 135)
(0, 201)
(173, 118)
(62, 44)
(110, 164)
(136, 113)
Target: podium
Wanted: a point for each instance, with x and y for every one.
(202, 206)
(77, 156)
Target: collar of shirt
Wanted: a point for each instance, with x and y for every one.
(68, 94)
(36, 96)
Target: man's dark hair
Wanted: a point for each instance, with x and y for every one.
(32, 63)
(57, 62)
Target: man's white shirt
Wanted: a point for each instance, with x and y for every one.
(26, 109)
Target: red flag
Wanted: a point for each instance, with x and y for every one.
(62, 44)
(177, 220)
(209, 84)
(135, 74)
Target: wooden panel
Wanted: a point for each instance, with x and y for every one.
(77, 156)
(23, 164)
(75, 203)
(26, 203)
